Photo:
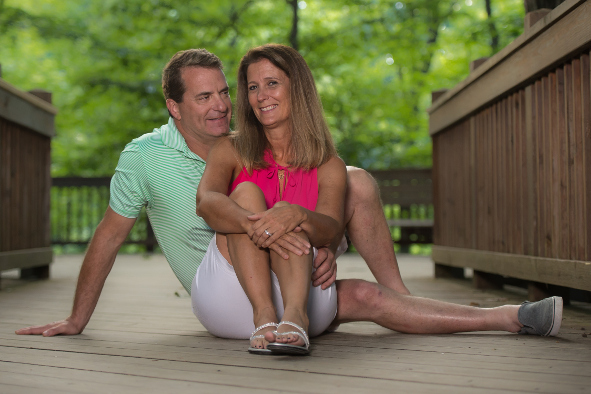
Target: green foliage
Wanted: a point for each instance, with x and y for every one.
(375, 63)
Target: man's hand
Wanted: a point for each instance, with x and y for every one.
(106, 241)
(326, 268)
(64, 327)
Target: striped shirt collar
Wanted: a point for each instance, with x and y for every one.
(173, 138)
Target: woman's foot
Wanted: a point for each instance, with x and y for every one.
(265, 323)
(291, 347)
(287, 333)
(258, 343)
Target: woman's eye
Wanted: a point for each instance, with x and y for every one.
(253, 87)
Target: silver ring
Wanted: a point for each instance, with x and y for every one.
(268, 233)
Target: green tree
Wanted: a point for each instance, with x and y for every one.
(375, 63)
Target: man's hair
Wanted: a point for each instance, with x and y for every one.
(172, 81)
(311, 142)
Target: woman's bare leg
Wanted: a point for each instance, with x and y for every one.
(294, 275)
(251, 263)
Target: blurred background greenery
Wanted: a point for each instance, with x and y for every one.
(375, 64)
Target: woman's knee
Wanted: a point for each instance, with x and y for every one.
(249, 196)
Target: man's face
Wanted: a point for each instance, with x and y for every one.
(206, 109)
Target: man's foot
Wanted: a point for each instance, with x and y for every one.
(542, 317)
(258, 342)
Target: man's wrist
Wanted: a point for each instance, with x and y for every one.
(78, 323)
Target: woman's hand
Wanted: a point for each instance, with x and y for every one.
(290, 243)
(274, 223)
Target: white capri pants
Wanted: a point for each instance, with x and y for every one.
(220, 304)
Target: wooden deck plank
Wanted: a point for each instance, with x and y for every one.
(83, 381)
(238, 371)
(145, 337)
(506, 355)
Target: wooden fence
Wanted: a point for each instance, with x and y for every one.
(26, 128)
(512, 160)
(78, 205)
(407, 196)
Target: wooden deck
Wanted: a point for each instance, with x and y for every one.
(144, 338)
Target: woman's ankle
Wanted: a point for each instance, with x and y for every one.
(264, 315)
(296, 315)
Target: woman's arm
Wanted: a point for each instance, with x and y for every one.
(218, 210)
(322, 225)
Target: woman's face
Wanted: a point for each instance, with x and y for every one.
(268, 94)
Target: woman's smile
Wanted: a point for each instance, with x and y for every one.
(269, 95)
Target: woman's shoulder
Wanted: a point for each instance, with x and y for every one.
(222, 149)
(223, 144)
(333, 168)
(335, 163)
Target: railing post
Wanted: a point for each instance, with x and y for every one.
(437, 93)
(40, 272)
(42, 94)
(474, 64)
(531, 18)
(150, 239)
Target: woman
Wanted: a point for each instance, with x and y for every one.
(276, 181)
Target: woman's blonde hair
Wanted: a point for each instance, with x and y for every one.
(311, 142)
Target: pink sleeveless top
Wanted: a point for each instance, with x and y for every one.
(301, 187)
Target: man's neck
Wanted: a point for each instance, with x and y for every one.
(197, 146)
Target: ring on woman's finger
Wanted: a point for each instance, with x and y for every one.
(268, 233)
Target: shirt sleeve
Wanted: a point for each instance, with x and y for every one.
(129, 185)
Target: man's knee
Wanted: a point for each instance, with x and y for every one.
(359, 298)
(361, 186)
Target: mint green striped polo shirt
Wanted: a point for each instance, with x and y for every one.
(158, 171)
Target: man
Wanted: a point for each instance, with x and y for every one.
(161, 171)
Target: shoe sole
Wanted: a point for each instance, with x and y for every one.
(262, 352)
(556, 323)
(285, 348)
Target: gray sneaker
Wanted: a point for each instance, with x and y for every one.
(542, 317)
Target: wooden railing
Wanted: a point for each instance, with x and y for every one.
(77, 207)
(512, 159)
(26, 128)
(407, 196)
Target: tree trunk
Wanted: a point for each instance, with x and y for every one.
(494, 34)
(293, 36)
(533, 5)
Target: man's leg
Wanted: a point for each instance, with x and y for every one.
(368, 229)
(359, 300)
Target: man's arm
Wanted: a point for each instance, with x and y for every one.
(108, 238)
